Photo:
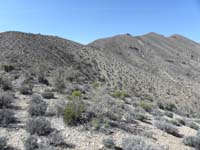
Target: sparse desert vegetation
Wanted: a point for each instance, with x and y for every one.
(63, 95)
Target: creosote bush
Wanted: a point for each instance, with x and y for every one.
(6, 117)
(37, 106)
(59, 80)
(39, 126)
(72, 112)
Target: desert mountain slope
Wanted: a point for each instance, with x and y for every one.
(28, 50)
(114, 93)
(150, 66)
(167, 68)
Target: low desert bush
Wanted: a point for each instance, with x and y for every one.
(142, 117)
(108, 143)
(146, 106)
(72, 75)
(169, 114)
(6, 100)
(119, 94)
(3, 143)
(168, 128)
(59, 80)
(96, 85)
(41, 71)
(169, 106)
(5, 83)
(26, 89)
(7, 67)
(181, 121)
(108, 107)
(175, 122)
(191, 141)
(72, 112)
(6, 117)
(31, 143)
(48, 95)
(192, 125)
(37, 106)
(55, 139)
(76, 93)
(99, 123)
(138, 143)
(39, 126)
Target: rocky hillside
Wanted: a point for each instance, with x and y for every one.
(26, 50)
(155, 66)
(119, 93)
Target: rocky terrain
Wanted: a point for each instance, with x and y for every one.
(124, 93)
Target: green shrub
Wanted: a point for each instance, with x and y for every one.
(191, 141)
(96, 85)
(146, 106)
(76, 93)
(72, 112)
(59, 80)
(119, 94)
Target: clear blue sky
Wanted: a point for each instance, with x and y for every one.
(86, 20)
